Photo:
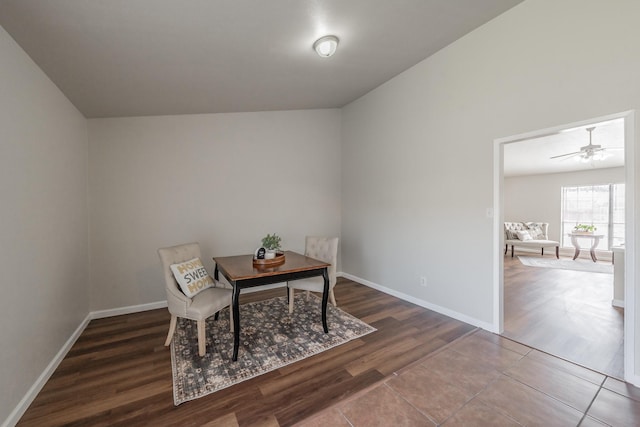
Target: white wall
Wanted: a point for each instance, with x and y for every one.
(416, 160)
(225, 180)
(418, 150)
(539, 198)
(43, 226)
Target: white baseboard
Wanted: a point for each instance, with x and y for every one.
(632, 379)
(617, 303)
(33, 391)
(99, 314)
(434, 307)
(31, 394)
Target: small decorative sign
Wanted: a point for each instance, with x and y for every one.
(259, 253)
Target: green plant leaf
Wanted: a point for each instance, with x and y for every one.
(271, 242)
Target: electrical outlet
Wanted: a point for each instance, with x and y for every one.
(423, 281)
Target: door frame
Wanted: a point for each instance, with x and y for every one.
(630, 287)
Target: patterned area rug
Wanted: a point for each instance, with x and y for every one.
(270, 338)
(567, 264)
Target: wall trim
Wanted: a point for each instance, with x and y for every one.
(33, 391)
(100, 314)
(632, 379)
(617, 303)
(422, 303)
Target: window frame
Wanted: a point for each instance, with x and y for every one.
(615, 205)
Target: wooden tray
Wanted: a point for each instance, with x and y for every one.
(264, 263)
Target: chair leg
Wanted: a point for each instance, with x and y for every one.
(308, 293)
(332, 298)
(172, 329)
(558, 252)
(291, 291)
(511, 251)
(230, 319)
(505, 249)
(202, 340)
(542, 251)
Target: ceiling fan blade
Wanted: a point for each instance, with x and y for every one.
(565, 155)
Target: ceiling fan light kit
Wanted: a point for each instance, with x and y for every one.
(587, 153)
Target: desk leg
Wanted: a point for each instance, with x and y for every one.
(236, 320)
(325, 297)
(596, 240)
(575, 244)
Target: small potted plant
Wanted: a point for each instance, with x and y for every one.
(584, 229)
(271, 242)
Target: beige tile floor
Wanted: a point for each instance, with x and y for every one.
(486, 380)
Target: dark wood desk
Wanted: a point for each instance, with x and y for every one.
(241, 274)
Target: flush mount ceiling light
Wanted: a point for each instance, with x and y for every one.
(326, 46)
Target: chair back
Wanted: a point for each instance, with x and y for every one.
(325, 249)
(177, 302)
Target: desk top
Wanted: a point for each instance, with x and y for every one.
(241, 267)
(585, 235)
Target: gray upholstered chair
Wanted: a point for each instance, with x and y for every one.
(324, 249)
(202, 306)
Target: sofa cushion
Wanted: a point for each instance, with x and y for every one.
(511, 234)
(535, 231)
(523, 235)
(192, 277)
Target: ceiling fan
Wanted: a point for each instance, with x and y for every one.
(588, 152)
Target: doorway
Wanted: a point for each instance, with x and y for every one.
(499, 217)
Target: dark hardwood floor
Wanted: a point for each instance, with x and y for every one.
(119, 372)
(565, 313)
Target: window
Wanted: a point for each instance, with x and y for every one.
(599, 205)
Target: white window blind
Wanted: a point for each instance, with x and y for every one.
(598, 205)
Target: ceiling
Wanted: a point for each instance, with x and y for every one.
(533, 156)
(121, 58)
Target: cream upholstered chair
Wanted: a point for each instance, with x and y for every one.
(324, 249)
(202, 306)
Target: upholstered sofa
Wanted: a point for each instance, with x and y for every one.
(530, 235)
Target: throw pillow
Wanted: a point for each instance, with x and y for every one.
(535, 231)
(524, 235)
(511, 235)
(192, 277)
